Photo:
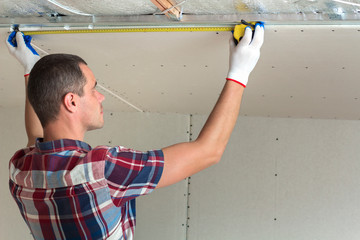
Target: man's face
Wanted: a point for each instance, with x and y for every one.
(90, 103)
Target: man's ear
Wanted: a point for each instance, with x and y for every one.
(71, 102)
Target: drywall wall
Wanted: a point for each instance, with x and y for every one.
(13, 137)
(279, 178)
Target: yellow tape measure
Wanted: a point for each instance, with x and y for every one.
(239, 30)
(133, 29)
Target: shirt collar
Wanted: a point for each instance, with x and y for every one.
(61, 145)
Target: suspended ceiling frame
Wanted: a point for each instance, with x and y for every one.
(93, 22)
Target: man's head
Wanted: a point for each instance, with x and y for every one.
(52, 77)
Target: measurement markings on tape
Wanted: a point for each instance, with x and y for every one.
(126, 30)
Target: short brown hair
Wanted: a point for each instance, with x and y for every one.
(52, 77)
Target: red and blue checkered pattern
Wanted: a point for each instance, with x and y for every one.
(67, 190)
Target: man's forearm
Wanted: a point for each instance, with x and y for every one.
(185, 159)
(219, 125)
(32, 123)
(20, 47)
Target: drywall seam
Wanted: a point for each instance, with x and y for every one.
(102, 87)
(188, 185)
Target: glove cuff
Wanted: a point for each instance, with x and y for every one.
(239, 77)
(27, 71)
(30, 63)
(233, 80)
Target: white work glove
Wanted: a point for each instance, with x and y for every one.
(245, 55)
(22, 50)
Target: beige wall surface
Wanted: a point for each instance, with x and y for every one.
(13, 137)
(278, 179)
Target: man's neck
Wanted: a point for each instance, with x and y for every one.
(58, 130)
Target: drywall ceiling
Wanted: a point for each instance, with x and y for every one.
(304, 71)
(308, 68)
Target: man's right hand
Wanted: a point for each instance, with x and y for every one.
(245, 55)
(22, 50)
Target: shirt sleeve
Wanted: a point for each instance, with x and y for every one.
(131, 173)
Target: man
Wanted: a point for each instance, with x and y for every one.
(67, 190)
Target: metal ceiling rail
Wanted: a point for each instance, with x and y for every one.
(85, 22)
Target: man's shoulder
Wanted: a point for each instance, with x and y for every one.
(18, 160)
(22, 152)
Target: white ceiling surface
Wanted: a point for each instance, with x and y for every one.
(304, 71)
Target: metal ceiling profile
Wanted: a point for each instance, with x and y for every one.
(86, 14)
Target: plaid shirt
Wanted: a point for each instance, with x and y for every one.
(66, 190)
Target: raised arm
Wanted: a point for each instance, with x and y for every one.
(33, 126)
(19, 46)
(185, 159)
